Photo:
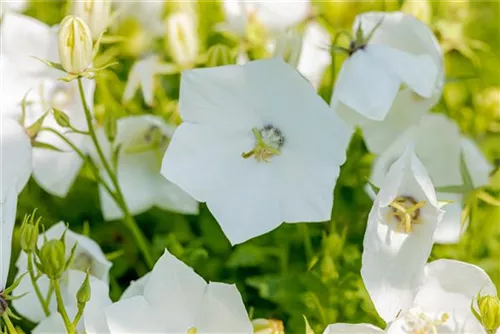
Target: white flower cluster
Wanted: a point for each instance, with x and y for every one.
(258, 145)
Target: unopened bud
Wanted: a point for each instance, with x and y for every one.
(62, 119)
(268, 326)
(95, 13)
(85, 291)
(182, 39)
(75, 45)
(219, 55)
(289, 47)
(488, 313)
(29, 233)
(421, 9)
(53, 258)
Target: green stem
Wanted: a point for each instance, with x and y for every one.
(61, 309)
(8, 323)
(78, 316)
(128, 219)
(307, 243)
(38, 293)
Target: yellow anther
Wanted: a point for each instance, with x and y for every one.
(406, 211)
(192, 330)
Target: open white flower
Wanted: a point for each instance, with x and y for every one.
(22, 38)
(15, 150)
(399, 235)
(142, 75)
(443, 302)
(258, 145)
(402, 51)
(177, 300)
(93, 319)
(88, 256)
(148, 13)
(141, 141)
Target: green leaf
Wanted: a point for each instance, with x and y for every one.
(487, 198)
(308, 327)
(46, 146)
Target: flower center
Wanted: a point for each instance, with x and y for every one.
(420, 323)
(269, 141)
(151, 139)
(406, 211)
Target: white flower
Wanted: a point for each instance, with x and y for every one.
(93, 319)
(177, 300)
(23, 37)
(142, 141)
(136, 288)
(142, 75)
(148, 13)
(258, 145)
(88, 256)
(399, 235)
(439, 146)
(15, 150)
(401, 51)
(274, 15)
(340, 328)
(443, 301)
(309, 53)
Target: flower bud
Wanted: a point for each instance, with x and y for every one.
(53, 258)
(421, 9)
(489, 312)
(268, 326)
(62, 119)
(182, 39)
(84, 293)
(95, 13)
(75, 45)
(219, 55)
(289, 47)
(29, 233)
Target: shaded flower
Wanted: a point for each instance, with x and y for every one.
(399, 235)
(252, 134)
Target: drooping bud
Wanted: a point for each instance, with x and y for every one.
(182, 39)
(75, 45)
(95, 13)
(29, 233)
(268, 326)
(488, 312)
(219, 55)
(53, 258)
(85, 291)
(289, 47)
(421, 9)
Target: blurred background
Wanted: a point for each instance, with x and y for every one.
(298, 269)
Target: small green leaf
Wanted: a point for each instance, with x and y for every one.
(46, 146)
(308, 327)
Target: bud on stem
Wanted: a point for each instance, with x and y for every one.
(182, 39)
(75, 45)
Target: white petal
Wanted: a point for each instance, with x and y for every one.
(7, 220)
(136, 288)
(315, 56)
(365, 85)
(142, 74)
(54, 324)
(403, 256)
(132, 316)
(222, 311)
(24, 37)
(171, 197)
(450, 286)
(418, 72)
(29, 306)
(174, 291)
(478, 166)
(15, 148)
(450, 228)
(276, 15)
(352, 328)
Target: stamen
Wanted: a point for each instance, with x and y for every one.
(406, 210)
(192, 330)
(269, 141)
(420, 323)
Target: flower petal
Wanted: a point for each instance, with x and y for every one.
(352, 328)
(223, 311)
(478, 166)
(131, 316)
(8, 207)
(315, 56)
